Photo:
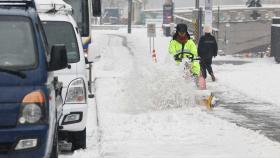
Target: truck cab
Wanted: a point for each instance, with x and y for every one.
(30, 98)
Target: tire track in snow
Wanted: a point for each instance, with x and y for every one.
(124, 42)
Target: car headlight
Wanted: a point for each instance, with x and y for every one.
(32, 109)
(76, 92)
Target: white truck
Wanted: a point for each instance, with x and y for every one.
(60, 27)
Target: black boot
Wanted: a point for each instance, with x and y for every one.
(213, 77)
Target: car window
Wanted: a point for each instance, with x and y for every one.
(59, 32)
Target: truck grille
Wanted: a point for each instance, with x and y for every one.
(5, 148)
(8, 114)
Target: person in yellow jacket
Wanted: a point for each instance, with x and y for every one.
(182, 42)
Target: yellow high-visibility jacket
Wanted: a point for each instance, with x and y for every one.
(175, 47)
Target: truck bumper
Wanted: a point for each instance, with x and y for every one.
(10, 137)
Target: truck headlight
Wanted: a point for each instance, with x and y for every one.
(31, 113)
(76, 92)
(32, 108)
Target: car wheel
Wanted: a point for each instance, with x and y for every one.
(78, 140)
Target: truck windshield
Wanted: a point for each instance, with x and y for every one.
(17, 48)
(59, 32)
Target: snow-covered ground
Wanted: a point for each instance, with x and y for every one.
(146, 109)
(259, 79)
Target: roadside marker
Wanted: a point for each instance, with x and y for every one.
(154, 56)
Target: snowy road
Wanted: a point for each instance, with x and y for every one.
(146, 110)
(250, 113)
(256, 112)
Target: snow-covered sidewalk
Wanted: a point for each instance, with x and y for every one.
(146, 109)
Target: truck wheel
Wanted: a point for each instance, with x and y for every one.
(54, 153)
(78, 140)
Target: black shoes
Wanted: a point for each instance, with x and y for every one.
(213, 77)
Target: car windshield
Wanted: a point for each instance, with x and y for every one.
(63, 33)
(17, 49)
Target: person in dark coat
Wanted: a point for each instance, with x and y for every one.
(207, 49)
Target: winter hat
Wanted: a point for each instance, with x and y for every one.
(207, 29)
(181, 28)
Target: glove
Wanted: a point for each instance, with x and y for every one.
(178, 58)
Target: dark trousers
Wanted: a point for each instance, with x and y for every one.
(205, 64)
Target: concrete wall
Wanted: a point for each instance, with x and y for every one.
(243, 36)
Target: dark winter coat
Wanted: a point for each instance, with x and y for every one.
(207, 47)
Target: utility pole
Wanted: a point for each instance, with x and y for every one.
(197, 21)
(144, 3)
(196, 4)
(208, 12)
(129, 16)
(218, 21)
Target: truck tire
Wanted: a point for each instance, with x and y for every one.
(78, 139)
(54, 153)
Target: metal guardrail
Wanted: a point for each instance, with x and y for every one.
(179, 19)
(117, 27)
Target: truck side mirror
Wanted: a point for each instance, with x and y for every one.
(58, 58)
(96, 8)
